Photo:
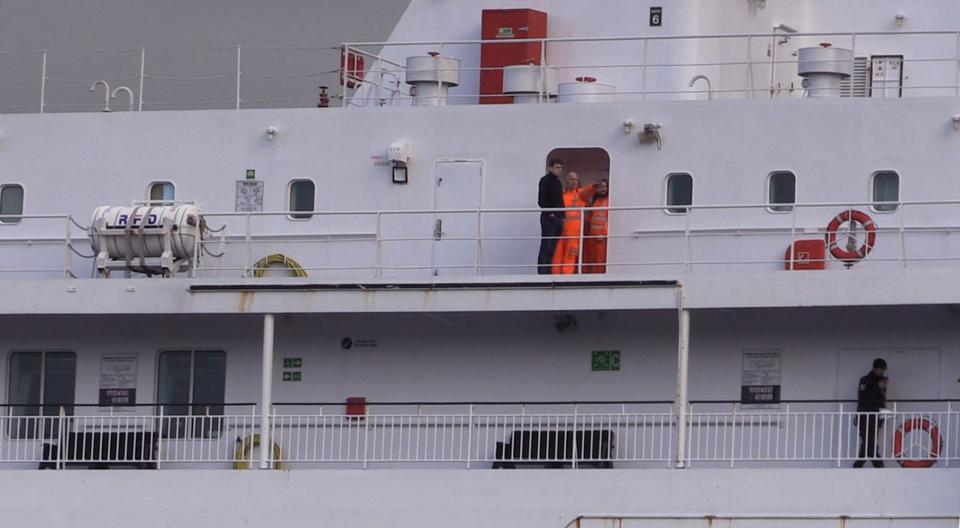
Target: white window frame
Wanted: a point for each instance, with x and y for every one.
(666, 194)
(786, 208)
(289, 200)
(161, 182)
(873, 183)
(23, 202)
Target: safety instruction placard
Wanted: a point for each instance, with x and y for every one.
(118, 380)
(760, 381)
(249, 196)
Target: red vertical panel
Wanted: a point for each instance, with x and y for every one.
(506, 25)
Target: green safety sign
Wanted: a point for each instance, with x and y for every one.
(292, 362)
(605, 360)
(251, 174)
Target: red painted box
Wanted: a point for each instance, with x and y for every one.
(506, 25)
(356, 406)
(807, 255)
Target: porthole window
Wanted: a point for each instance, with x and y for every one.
(886, 188)
(301, 199)
(11, 203)
(679, 192)
(781, 191)
(161, 191)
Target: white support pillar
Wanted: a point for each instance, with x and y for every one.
(683, 363)
(266, 394)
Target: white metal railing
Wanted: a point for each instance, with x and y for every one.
(231, 84)
(484, 435)
(637, 75)
(391, 243)
(734, 520)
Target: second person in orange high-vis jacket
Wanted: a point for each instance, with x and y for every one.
(567, 255)
(595, 232)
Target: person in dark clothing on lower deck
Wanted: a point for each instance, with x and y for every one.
(551, 222)
(871, 397)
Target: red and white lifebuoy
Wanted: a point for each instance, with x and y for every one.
(851, 215)
(935, 442)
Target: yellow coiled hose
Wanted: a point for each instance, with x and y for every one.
(241, 455)
(260, 268)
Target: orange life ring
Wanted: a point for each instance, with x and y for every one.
(851, 215)
(935, 442)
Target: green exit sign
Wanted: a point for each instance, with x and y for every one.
(292, 376)
(292, 362)
(601, 360)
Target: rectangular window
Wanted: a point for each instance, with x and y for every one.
(886, 188)
(301, 198)
(40, 384)
(162, 191)
(781, 189)
(679, 192)
(11, 203)
(192, 384)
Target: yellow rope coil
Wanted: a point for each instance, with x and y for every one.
(260, 268)
(241, 455)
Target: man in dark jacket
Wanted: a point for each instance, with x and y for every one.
(871, 397)
(551, 222)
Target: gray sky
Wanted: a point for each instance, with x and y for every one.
(70, 25)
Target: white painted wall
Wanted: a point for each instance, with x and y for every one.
(428, 499)
(521, 356)
(834, 147)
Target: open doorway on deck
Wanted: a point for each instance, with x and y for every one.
(582, 247)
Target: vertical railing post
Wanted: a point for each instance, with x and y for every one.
(946, 435)
(541, 90)
(840, 433)
(793, 236)
(381, 101)
(159, 436)
(60, 439)
(903, 235)
(67, 259)
(366, 434)
(478, 259)
(440, 100)
(247, 250)
(733, 435)
(469, 435)
(379, 271)
(238, 77)
(583, 220)
(43, 81)
(683, 368)
(687, 265)
(266, 392)
(143, 65)
(576, 413)
(344, 55)
(750, 82)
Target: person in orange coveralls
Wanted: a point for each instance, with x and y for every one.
(567, 254)
(595, 232)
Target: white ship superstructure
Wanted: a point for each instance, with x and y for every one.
(333, 315)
